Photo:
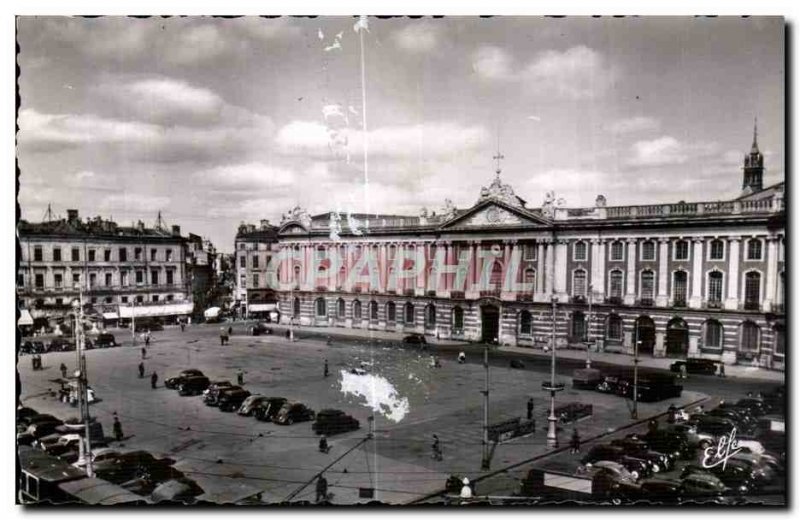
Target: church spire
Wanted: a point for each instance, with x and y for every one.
(754, 148)
(753, 166)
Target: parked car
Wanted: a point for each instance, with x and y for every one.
(762, 472)
(193, 385)
(61, 345)
(641, 450)
(661, 491)
(24, 422)
(260, 328)
(230, 399)
(134, 465)
(756, 407)
(32, 347)
(211, 394)
(174, 382)
(268, 408)
(741, 418)
(293, 412)
(734, 475)
(703, 487)
(716, 426)
(249, 405)
(98, 455)
(416, 339)
(63, 444)
(105, 340)
(331, 422)
(586, 378)
(37, 431)
(669, 442)
(695, 366)
(619, 471)
(693, 437)
(617, 454)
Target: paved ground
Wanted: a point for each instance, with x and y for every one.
(234, 457)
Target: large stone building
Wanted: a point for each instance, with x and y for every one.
(122, 271)
(679, 279)
(254, 247)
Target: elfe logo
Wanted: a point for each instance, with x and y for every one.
(727, 447)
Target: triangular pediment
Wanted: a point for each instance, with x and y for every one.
(493, 213)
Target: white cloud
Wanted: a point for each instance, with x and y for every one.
(663, 151)
(266, 29)
(35, 127)
(493, 63)
(134, 202)
(417, 37)
(197, 44)
(247, 176)
(633, 125)
(576, 73)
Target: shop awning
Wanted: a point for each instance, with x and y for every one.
(110, 316)
(262, 307)
(167, 309)
(25, 318)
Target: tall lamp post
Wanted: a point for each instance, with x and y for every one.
(485, 465)
(552, 436)
(635, 411)
(85, 446)
(589, 330)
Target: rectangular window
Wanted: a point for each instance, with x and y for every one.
(255, 261)
(681, 250)
(139, 299)
(76, 254)
(139, 277)
(91, 255)
(153, 253)
(169, 255)
(92, 281)
(59, 302)
(615, 290)
(154, 277)
(37, 254)
(123, 299)
(155, 297)
(649, 251)
(715, 287)
(529, 251)
(243, 262)
(170, 297)
(255, 280)
(123, 254)
(648, 285)
(58, 279)
(579, 283)
(137, 254)
(123, 278)
(617, 251)
(107, 255)
(754, 249)
(579, 251)
(679, 288)
(109, 299)
(20, 280)
(76, 279)
(717, 250)
(170, 276)
(56, 254)
(108, 280)
(243, 281)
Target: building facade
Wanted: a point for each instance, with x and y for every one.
(121, 271)
(699, 279)
(254, 248)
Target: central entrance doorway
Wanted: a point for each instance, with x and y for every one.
(645, 333)
(490, 324)
(677, 338)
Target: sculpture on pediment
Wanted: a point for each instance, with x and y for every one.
(335, 225)
(551, 203)
(449, 210)
(297, 214)
(499, 191)
(600, 201)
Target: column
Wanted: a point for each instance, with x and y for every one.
(540, 271)
(630, 282)
(471, 293)
(599, 270)
(662, 297)
(732, 301)
(451, 253)
(511, 274)
(550, 272)
(382, 268)
(560, 282)
(696, 299)
(348, 265)
(772, 273)
(419, 259)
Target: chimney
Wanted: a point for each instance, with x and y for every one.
(176, 231)
(72, 215)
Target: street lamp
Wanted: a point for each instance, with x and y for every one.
(485, 463)
(552, 437)
(589, 330)
(635, 411)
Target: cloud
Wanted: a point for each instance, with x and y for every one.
(266, 29)
(196, 44)
(663, 151)
(69, 129)
(417, 37)
(576, 73)
(134, 202)
(633, 125)
(493, 63)
(247, 176)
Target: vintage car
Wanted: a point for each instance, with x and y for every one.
(331, 422)
(292, 412)
(174, 382)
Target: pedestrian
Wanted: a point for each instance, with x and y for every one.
(223, 336)
(153, 380)
(437, 448)
(183, 326)
(230, 331)
(141, 370)
(323, 445)
(749, 395)
(117, 428)
(722, 369)
(38, 361)
(326, 368)
(63, 371)
(147, 338)
(33, 361)
(288, 334)
(462, 358)
(240, 377)
(530, 408)
(144, 352)
(575, 442)
(322, 488)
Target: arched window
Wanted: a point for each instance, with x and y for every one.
(390, 311)
(578, 326)
(752, 290)
(614, 328)
(409, 313)
(617, 251)
(579, 283)
(356, 310)
(713, 334)
(322, 278)
(530, 279)
(296, 308)
(751, 337)
(525, 322)
(373, 310)
(648, 285)
(679, 288)
(715, 287)
(615, 284)
(430, 316)
(340, 308)
(458, 318)
(322, 309)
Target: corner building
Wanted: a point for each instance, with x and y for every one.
(697, 279)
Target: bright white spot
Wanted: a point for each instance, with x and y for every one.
(379, 393)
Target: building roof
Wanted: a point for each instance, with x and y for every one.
(94, 228)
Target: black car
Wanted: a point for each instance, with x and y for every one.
(28, 419)
(230, 399)
(661, 491)
(193, 385)
(291, 413)
(105, 340)
(61, 345)
(416, 339)
(268, 408)
(744, 422)
(695, 366)
(134, 465)
(331, 422)
(736, 476)
(712, 425)
(174, 382)
(603, 452)
(32, 347)
(672, 442)
(756, 407)
(37, 431)
(211, 394)
(260, 328)
(641, 450)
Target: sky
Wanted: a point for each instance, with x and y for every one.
(216, 121)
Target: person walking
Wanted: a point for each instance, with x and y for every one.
(117, 428)
(437, 448)
(183, 326)
(33, 362)
(671, 411)
(223, 336)
(144, 352)
(466, 489)
(147, 339)
(325, 369)
(722, 369)
(63, 368)
(154, 380)
(575, 442)
(322, 488)
(230, 331)
(141, 370)
(530, 408)
(323, 445)
(240, 377)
